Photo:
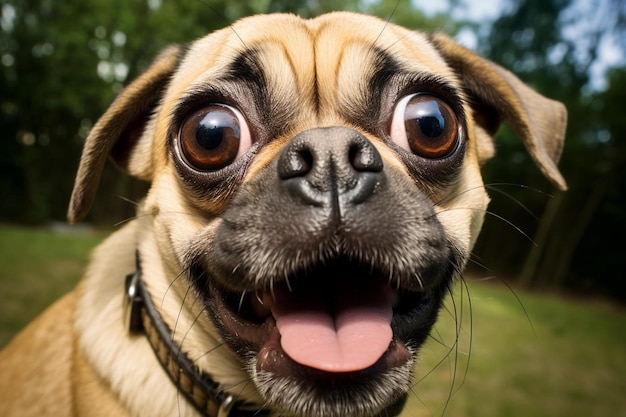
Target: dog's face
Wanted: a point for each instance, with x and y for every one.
(318, 184)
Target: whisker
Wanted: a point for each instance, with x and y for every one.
(213, 349)
(521, 304)
(243, 296)
(127, 220)
(526, 187)
(127, 200)
(224, 19)
(515, 200)
(143, 215)
(458, 320)
(272, 289)
(471, 330)
(492, 187)
(422, 402)
(169, 287)
(208, 352)
(179, 353)
(455, 195)
(419, 280)
(447, 354)
(393, 12)
(245, 383)
(476, 262)
(394, 43)
(193, 323)
(487, 278)
(180, 312)
(491, 213)
(497, 216)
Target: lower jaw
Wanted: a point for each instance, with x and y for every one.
(298, 390)
(368, 393)
(302, 391)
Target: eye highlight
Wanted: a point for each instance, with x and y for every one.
(214, 137)
(426, 126)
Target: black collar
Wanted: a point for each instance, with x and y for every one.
(198, 388)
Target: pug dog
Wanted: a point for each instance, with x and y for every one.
(315, 190)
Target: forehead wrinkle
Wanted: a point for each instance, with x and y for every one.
(289, 73)
(348, 53)
(288, 32)
(208, 57)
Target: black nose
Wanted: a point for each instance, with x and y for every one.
(331, 166)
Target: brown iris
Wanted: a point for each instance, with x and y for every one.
(431, 127)
(210, 138)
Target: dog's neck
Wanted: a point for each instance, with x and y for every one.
(197, 387)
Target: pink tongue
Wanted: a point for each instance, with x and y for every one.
(351, 338)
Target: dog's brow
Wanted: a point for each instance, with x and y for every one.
(242, 84)
(388, 70)
(390, 79)
(246, 67)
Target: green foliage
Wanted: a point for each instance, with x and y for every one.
(571, 251)
(404, 14)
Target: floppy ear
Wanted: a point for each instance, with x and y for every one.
(118, 133)
(497, 94)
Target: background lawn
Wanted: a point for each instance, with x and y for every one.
(546, 356)
(37, 266)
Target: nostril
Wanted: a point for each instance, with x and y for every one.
(296, 163)
(330, 167)
(364, 157)
(306, 161)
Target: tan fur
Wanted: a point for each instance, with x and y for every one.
(78, 358)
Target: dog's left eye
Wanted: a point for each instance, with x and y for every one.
(214, 137)
(425, 125)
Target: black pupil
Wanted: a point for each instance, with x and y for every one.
(215, 127)
(431, 122)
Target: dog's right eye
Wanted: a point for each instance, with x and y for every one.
(426, 126)
(214, 137)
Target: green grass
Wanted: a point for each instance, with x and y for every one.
(37, 266)
(542, 356)
(548, 356)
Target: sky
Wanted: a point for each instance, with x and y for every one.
(474, 10)
(611, 52)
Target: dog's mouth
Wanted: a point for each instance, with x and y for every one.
(339, 318)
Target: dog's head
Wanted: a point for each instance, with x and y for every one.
(318, 182)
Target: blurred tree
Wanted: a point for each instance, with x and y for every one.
(403, 13)
(62, 63)
(598, 258)
(530, 39)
